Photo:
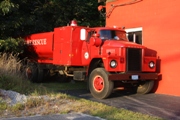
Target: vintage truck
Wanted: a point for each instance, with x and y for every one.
(101, 56)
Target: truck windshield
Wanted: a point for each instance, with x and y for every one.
(112, 35)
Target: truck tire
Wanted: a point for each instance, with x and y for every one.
(40, 75)
(31, 72)
(145, 87)
(99, 85)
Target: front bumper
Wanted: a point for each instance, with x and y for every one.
(139, 76)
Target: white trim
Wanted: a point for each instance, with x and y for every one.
(134, 29)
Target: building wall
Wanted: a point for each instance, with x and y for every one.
(160, 21)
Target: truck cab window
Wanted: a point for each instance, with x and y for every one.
(112, 35)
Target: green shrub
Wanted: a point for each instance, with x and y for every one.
(12, 45)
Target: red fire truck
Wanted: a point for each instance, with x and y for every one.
(102, 56)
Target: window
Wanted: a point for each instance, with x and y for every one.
(112, 35)
(89, 35)
(135, 35)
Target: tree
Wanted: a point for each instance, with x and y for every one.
(19, 18)
(6, 6)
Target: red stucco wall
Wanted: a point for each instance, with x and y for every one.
(160, 21)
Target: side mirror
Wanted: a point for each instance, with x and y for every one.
(95, 41)
(83, 34)
(96, 35)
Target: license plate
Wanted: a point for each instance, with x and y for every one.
(134, 77)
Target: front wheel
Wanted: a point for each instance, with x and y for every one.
(145, 87)
(99, 85)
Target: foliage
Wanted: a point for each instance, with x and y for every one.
(34, 102)
(19, 18)
(11, 77)
(12, 45)
(6, 6)
(17, 107)
(3, 105)
(9, 64)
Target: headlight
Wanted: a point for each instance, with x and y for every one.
(151, 64)
(113, 63)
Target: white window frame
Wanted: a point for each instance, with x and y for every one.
(138, 29)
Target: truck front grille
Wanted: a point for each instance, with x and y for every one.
(134, 59)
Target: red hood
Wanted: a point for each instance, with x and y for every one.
(115, 43)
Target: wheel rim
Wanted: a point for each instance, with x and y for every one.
(143, 86)
(28, 73)
(98, 83)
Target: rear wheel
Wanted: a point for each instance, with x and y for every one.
(145, 87)
(99, 85)
(41, 75)
(31, 72)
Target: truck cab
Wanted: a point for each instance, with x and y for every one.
(115, 62)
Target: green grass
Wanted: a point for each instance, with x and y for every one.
(57, 86)
(3, 105)
(18, 84)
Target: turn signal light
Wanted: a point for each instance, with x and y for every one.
(121, 60)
